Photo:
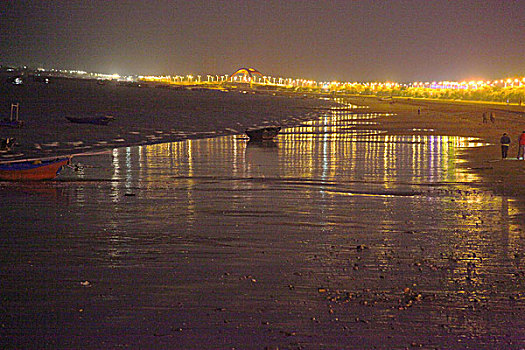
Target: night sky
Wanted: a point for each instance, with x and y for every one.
(322, 40)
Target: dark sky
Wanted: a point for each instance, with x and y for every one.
(346, 40)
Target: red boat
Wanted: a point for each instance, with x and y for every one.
(35, 169)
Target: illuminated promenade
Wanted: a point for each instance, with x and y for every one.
(508, 90)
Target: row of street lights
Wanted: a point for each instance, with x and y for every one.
(331, 85)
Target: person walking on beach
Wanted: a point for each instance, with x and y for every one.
(505, 143)
(484, 117)
(492, 117)
(521, 145)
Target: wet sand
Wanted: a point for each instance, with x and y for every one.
(457, 118)
(342, 233)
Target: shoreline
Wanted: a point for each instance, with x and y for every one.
(314, 243)
(451, 118)
(436, 117)
(141, 116)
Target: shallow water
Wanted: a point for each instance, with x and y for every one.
(329, 237)
(141, 115)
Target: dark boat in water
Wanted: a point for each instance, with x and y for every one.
(97, 120)
(32, 169)
(263, 134)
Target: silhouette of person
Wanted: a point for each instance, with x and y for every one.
(505, 143)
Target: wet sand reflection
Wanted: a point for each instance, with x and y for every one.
(329, 235)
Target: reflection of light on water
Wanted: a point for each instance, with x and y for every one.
(236, 158)
(125, 172)
(325, 156)
(116, 175)
(128, 168)
(335, 185)
(325, 149)
(179, 165)
(422, 157)
(190, 158)
(330, 148)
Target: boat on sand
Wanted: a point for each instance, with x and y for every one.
(32, 169)
(263, 133)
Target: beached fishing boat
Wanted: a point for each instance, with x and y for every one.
(263, 133)
(97, 120)
(32, 169)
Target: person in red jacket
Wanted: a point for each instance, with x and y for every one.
(521, 143)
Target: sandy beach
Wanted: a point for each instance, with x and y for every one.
(357, 228)
(461, 118)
